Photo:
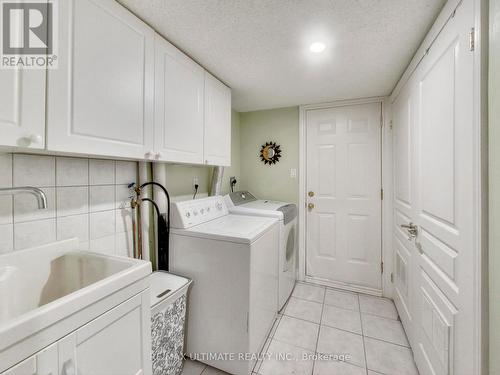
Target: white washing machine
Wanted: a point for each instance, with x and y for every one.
(243, 202)
(233, 299)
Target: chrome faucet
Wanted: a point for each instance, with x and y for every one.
(41, 198)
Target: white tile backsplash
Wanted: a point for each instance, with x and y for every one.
(34, 233)
(72, 172)
(72, 200)
(34, 170)
(5, 170)
(102, 198)
(105, 245)
(126, 172)
(87, 199)
(26, 207)
(123, 243)
(6, 207)
(101, 172)
(73, 226)
(6, 238)
(102, 224)
(123, 220)
(122, 193)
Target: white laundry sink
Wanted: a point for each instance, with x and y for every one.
(43, 285)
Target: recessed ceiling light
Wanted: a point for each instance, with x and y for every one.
(317, 47)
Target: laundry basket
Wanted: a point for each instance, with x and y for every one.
(168, 315)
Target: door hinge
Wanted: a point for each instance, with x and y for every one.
(382, 194)
(381, 267)
(390, 125)
(392, 277)
(472, 39)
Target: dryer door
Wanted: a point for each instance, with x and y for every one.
(290, 252)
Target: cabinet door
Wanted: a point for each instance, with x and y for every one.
(100, 99)
(44, 362)
(22, 112)
(179, 97)
(217, 122)
(117, 342)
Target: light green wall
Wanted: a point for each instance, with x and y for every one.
(180, 177)
(494, 186)
(280, 126)
(234, 169)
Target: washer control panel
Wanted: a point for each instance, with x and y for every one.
(187, 214)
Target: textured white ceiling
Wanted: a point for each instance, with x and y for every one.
(260, 48)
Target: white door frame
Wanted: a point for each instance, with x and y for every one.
(386, 167)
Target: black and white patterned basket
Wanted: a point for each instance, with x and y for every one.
(167, 337)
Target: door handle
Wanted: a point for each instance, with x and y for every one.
(412, 230)
(310, 206)
(311, 194)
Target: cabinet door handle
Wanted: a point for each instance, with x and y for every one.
(35, 139)
(68, 368)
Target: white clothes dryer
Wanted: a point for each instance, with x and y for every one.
(245, 203)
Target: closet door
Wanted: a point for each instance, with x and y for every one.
(444, 271)
(179, 99)
(100, 99)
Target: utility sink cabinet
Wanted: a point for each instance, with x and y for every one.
(69, 312)
(112, 343)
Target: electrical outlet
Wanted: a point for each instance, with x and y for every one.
(195, 181)
(293, 173)
(232, 180)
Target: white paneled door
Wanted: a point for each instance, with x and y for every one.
(343, 222)
(433, 120)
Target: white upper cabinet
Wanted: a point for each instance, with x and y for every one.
(119, 90)
(179, 103)
(217, 141)
(22, 108)
(101, 97)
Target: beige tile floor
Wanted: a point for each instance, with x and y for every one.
(319, 323)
